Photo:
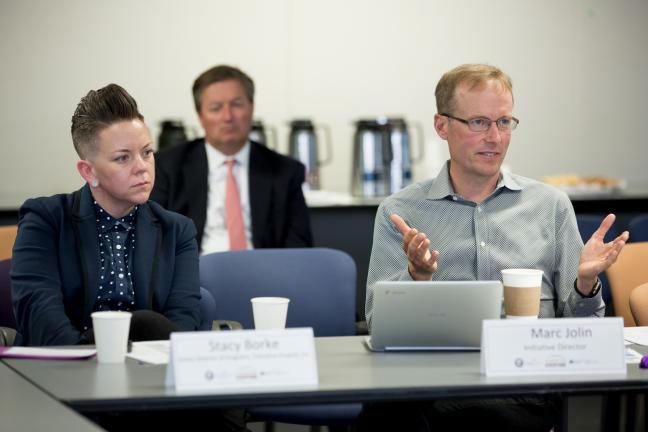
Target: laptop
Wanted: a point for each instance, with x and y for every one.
(432, 315)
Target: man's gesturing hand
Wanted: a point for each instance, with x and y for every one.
(421, 261)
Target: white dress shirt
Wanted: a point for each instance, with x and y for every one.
(215, 237)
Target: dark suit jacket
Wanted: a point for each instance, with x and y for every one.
(278, 210)
(55, 267)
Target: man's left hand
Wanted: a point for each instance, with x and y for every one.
(597, 255)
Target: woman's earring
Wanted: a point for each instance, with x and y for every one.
(94, 183)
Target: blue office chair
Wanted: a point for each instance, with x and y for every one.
(321, 286)
(207, 310)
(587, 224)
(638, 228)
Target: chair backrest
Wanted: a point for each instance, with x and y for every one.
(320, 283)
(638, 228)
(587, 224)
(629, 271)
(7, 318)
(7, 239)
(639, 304)
(207, 309)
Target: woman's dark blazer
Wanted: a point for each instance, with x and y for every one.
(55, 267)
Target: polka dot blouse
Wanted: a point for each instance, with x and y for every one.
(116, 249)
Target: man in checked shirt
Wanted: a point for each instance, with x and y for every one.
(472, 221)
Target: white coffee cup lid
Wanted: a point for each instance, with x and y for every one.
(270, 300)
(110, 314)
(522, 278)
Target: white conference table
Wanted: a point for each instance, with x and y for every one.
(25, 407)
(347, 373)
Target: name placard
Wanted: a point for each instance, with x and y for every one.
(553, 346)
(242, 359)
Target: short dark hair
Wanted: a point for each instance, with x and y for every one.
(218, 74)
(96, 111)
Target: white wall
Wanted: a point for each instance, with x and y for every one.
(579, 70)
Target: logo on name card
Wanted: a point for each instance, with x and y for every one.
(231, 360)
(553, 346)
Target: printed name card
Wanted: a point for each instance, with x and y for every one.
(553, 346)
(242, 359)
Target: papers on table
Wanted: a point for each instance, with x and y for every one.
(636, 335)
(46, 353)
(632, 356)
(153, 352)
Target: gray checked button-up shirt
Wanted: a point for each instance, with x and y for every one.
(522, 224)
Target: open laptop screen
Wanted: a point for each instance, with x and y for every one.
(432, 315)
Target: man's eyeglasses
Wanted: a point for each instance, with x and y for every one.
(482, 124)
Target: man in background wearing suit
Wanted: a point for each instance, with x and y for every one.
(240, 194)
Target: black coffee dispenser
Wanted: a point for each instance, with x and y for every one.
(258, 134)
(172, 132)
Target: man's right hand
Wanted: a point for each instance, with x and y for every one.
(421, 262)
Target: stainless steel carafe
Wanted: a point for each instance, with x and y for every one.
(258, 134)
(303, 146)
(382, 162)
(372, 156)
(402, 154)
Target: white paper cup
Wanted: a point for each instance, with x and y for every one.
(522, 288)
(269, 312)
(111, 330)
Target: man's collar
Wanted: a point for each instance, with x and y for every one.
(508, 181)
(216, 158)
(442, 186)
